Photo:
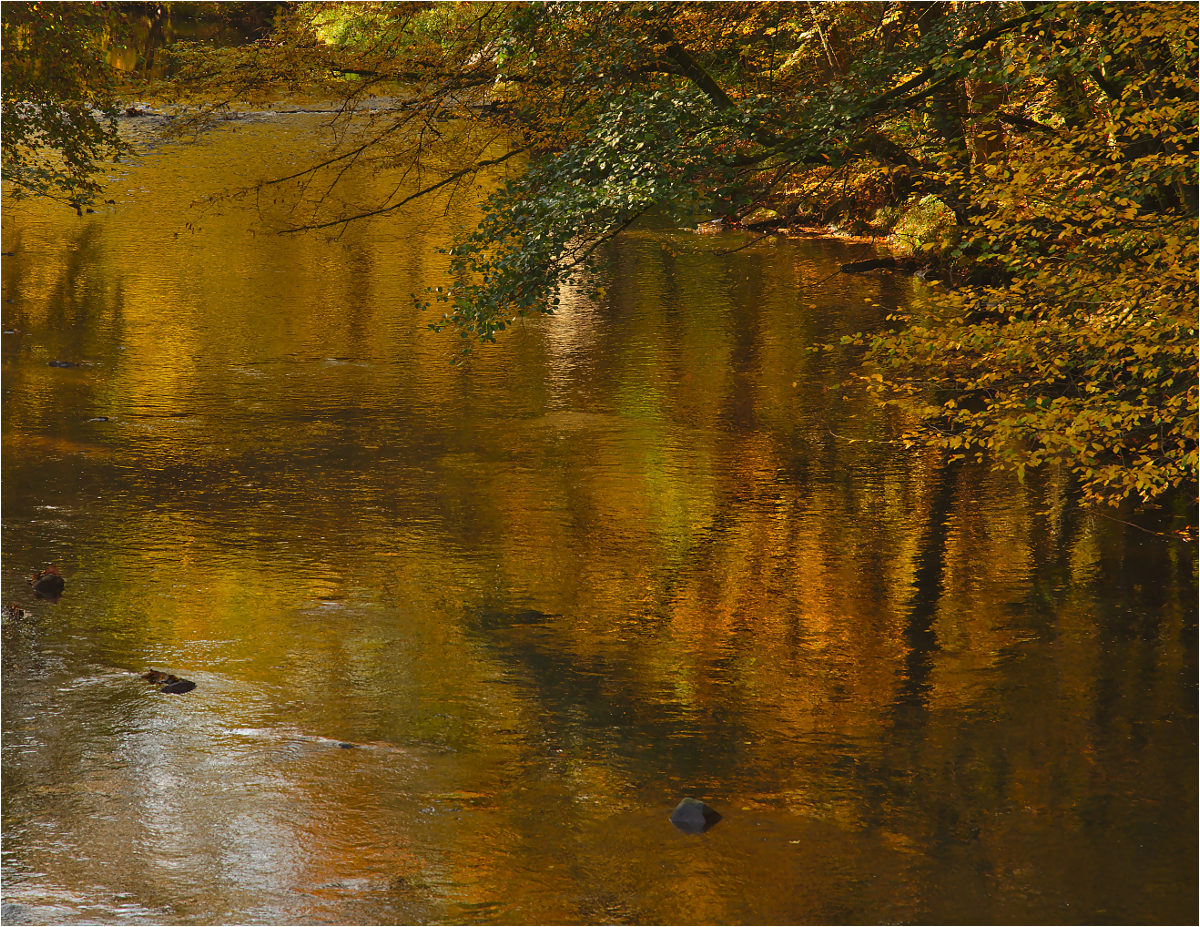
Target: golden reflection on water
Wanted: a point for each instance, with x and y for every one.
(649, 547)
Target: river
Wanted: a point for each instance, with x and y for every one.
(464, 635)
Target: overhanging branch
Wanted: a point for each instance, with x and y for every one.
(424, 191)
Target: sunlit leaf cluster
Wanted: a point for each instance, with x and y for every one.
(1083, 349)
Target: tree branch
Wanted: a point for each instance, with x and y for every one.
(452, 178)
(691, 69)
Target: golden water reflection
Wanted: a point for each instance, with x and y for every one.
(650, 547)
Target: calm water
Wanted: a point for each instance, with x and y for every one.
(647, 548)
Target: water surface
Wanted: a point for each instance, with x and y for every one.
(464, 635)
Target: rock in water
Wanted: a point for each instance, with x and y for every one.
(178, 687)
(48, 583)
(693, 816)
(858, 267)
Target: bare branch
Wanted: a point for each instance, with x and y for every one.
(452, 178)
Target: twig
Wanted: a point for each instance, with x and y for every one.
(862, 440)
(457, 175)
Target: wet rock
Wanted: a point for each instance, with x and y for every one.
(902, 265)
(48, 584)
(168, 682)
(13, 612)
(859, 267)
(714, 227)
(345, 746)
(99, 418)
(61, 363)
(692, 816)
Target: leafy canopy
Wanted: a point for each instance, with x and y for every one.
(59, 99)
(1057, 142)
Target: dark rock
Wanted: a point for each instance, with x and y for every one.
(902, 265)
(57, 363)
(12, 611)
(490, 108)
(692, 816)
(48, 583)
(99, 418)
(858, 267)
(346, 746)
(168, 682)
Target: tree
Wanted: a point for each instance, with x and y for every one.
(59, 100)
(1081, 213)
(1059, 140)
(1084, 350)
(626, 108)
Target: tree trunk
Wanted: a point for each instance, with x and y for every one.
(947, 111)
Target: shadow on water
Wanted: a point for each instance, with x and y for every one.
(605, 702)
(928, 586)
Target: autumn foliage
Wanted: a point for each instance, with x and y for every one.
(1041, 155)
(1082, 350)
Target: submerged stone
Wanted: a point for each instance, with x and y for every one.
(497, 619)
(692, 816)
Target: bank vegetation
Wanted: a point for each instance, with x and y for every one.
(1040, 158)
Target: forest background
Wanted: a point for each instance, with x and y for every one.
(1039, 158)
